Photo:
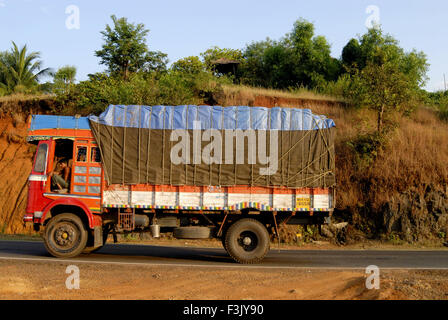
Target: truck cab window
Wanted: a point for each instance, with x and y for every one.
(41, 159)
(96, 156)
(81, 154)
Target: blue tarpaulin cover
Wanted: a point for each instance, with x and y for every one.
(212, 117)
(183, 117)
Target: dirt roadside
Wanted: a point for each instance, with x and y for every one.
(42, 281)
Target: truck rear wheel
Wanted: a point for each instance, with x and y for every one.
(65, 236)
(223, 238)
(223, 241)
(247, 241)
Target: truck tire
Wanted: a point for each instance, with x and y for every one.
(223, 241)
(192, 233)
(65, 236)
(223, 238)
(247, 241)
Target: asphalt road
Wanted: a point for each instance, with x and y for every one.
(125, 254)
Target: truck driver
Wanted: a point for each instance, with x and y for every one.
(60, 175)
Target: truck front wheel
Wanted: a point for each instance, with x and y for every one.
(247, 241)
(65, 236)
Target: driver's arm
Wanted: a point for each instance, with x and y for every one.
(66, 173)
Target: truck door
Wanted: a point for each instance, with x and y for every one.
(86, 172)
(38, 178)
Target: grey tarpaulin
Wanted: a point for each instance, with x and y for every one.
(136, 144)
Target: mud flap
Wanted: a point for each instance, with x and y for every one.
(97, 237)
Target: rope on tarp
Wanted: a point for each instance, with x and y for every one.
(171, 148)
(186, 165)
(236, 147)
(148, 146)
(163, 146)
(124, 144)
(289, 155)
(106, 174)
(210, 164)
(252, 165)
(139, 128)
(222, 153)
(290, 149)
(309, 164)
(268, 177)
(112, 143)
(304, 170)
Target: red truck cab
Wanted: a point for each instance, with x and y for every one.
(82, 196)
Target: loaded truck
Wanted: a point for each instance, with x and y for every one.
(237, 174)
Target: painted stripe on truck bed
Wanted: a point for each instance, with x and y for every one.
(213, 201)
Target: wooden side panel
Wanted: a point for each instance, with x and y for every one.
(216, 198)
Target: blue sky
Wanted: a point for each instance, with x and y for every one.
(184, 28)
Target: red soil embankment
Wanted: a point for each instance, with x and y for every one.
(15, 166)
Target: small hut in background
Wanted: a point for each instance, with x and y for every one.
(225, 66)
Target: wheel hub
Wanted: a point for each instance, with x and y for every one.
(64, 235)
(247, 241)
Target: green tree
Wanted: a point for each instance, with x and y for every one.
(298, 59)
(358, 53)
(64, 79)
(155, 61)
(384, 77)
(351, 54)
(20, 70)
(279, 66)
(125, 49)
(189, 65)
(312, 55)
(382, 87)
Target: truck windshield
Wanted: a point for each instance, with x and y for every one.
(41, 158)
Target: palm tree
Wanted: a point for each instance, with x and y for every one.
(64, 79)
(19, 71)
